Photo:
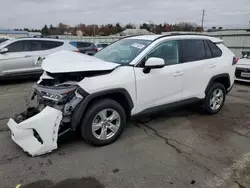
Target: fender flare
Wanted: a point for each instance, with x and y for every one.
(224, 75)
(81, 107)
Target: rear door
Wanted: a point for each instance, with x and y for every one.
(198, 67)
(42, 48)
(17, 60)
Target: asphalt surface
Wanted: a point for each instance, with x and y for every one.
(179, 149)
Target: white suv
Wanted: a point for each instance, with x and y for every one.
(135, 75)
(18, 57)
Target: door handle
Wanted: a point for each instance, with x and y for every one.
(212, 65)
(27, 56)
(178, 73)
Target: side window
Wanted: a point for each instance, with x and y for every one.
(19, 46)
(193, 50)
(46, 45)
(35, 45)
(83, 44)
(215, 50)
(169, 51)
(208, 51)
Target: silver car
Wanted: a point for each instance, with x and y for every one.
(18, 57)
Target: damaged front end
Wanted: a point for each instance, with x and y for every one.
(37, 129)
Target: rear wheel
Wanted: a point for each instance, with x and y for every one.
(215, 98)
(103, 122)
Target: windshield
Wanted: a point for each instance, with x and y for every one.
(123, 51)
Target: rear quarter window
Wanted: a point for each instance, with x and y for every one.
(83, 44)
(47, 45)
(216, 51)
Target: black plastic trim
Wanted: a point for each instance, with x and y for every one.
(224, 75)
(231, 87)
(168, 106)
(81, 107)
(180, 34)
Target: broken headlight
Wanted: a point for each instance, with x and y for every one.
(58, 94)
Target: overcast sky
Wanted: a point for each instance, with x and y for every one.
(36, 13)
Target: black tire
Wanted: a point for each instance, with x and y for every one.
(92, 111)
(206, 104)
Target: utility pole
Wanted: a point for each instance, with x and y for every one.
(94, 30)
(202, 19)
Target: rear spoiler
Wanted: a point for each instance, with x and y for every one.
(216, 40)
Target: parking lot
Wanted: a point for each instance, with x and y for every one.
(178, 149)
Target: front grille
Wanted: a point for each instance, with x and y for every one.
(238, 72)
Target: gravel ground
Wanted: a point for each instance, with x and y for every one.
(178, 149)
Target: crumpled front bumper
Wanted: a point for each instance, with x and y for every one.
(38, 134)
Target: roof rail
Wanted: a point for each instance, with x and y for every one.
(130, 36)
(125, 38)
(178, 34)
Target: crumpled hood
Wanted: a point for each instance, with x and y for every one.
(66, 61)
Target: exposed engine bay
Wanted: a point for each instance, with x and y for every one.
(57, 97)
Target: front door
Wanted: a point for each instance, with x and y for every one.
(163, 85)
(17, 60)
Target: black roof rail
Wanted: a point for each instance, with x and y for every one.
(125, 38)
(179, 34)
(130, 36)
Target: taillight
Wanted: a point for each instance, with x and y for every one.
(76, 50)
(96, 49)
(235, 60)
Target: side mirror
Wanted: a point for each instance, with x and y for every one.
(153, 63)
(4, 50)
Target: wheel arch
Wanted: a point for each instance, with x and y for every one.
(224, 79)
(119, 95)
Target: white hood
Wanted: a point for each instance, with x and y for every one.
(66, 61)
(244, 62)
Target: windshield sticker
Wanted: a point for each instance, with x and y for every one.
(136, 45)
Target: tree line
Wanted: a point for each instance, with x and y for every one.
(113, 29)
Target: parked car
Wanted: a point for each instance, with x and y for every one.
(3, 39)
(242, 72)
(18, 57)
(85, 47)
(100, 46)
(96, 95)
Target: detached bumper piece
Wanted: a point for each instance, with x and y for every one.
(38, 134)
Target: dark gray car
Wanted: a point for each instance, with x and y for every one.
(85, 47)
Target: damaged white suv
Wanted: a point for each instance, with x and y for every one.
(141, 74)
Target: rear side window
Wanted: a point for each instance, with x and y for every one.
(193, 50)
(46, 45)
(101, 45)
(216, 51)
(35, 45)
(83, 44)
(73, 43)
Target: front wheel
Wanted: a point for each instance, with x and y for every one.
(215, 98)
(103, 123)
